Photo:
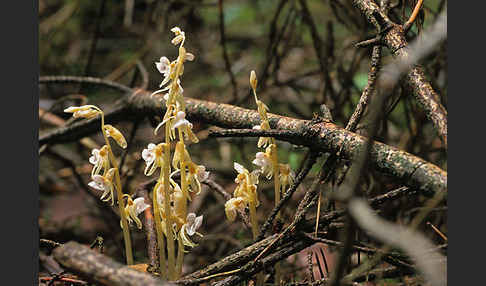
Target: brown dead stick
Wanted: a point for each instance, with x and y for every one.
(100, 268)
(394, 39)
(149, 227)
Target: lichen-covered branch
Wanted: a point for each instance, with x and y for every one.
(394, 38)
(323, 136)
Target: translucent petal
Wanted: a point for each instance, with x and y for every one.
(140, 205)
(239, 168)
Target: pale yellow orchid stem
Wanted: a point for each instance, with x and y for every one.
(185, 193)
(276, 180)
(255, 231)
(318, 214)
(166, 173)
(160, 233)
(253, 219)
(259, 277)
(276, 174)
(180, 257)
(118, 187)
(168, 216)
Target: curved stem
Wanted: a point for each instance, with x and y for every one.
(118, 187)
(126, 230)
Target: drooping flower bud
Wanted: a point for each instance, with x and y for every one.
(253, 80)
(116, 135)
(85, 111)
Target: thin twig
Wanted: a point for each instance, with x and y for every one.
(50, 243)
(94, 42)
(366, 43)
(149, 227)
(272, 44)
(227, 62)
(127, 18)
(220, 190)
(288, 194)
(368, 90)
(317, 43)
(413, 16)
(84, 79)
(144, 74)
(131, 137)
(437, 231)
(310, 266)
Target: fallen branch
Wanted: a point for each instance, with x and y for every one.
(100, 268)
(322, 136)
(244, 256)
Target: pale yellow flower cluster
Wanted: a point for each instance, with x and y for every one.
(104, 172)
(245, 192)
(170, 196)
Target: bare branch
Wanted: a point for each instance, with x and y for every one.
(432, 264)
(100, 268)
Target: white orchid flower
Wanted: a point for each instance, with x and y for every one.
(180, 120)
(190, 228)
(164, 67)
(197, 174)
(244, 174)
(193, 223)
(180, 36)
(153, 158)
(247, 184)
(105, 184)
(99, 158)
(287, 176)
(134, 208)
(265, 163)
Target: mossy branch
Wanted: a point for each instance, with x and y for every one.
(322, 136)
